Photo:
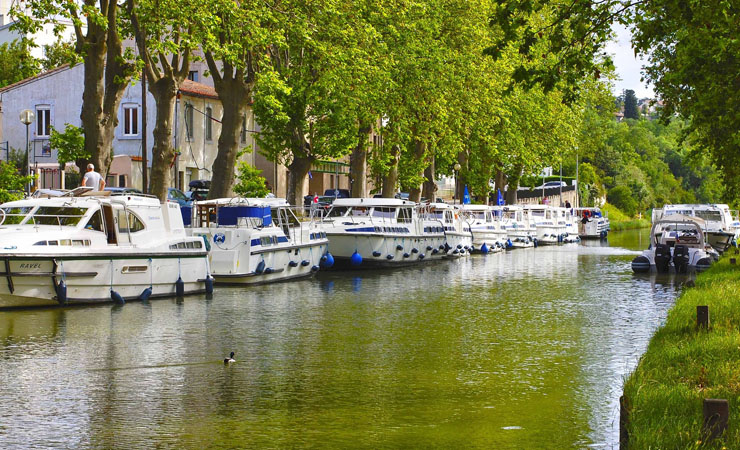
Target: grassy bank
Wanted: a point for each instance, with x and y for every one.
(684, 365)
(619, 221)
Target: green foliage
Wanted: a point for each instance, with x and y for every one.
(12, 183)
(692, 48)
(630, 105)
(249, 182)
(621, 197)
(70, 144)
(16, 62)
(59, 53)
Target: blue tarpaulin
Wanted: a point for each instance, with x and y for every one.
(229, 215)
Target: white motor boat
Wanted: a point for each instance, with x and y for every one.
(488, 235)
(550, 226)
(458, 238)
(257, 240)
(677, 242)
(97, 248)
(520, 229)
(592, 223)
(372, 232)
(721, 227)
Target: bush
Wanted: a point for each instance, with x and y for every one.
(249, 182)
(621, 197)
(12, 183)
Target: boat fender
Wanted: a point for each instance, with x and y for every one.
(435, 251)
(459, 246)
(209, 284)
(314, 268)
(260, 268)
(429, 248)
(62, 293)
(484, 249)
(421, 256)
(446, 247)
(399, 247)
(509, 243)
(389, 257)
(145, 294)
(327, 260)
(406, 255)
(292, 264)
(535, 242)
(268, 271)
(376, 254)
(414, 250)
(116, 297)
(180, 287)
(355, 259)
(703, 263)
(305, 262)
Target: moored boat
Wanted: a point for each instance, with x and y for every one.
(253, 241)
(378, 232)
(592, 224)
(520, 229)
(96, 248)
(458, 238)
(549, 226)
(720, 226)
(677, 243)
(488, 235)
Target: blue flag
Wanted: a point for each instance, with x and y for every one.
(500, 200)
(466, 196)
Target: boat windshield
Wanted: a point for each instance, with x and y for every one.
(709, 216)
(388, 213)
(14, 216)
(359, 211)
(58, 215)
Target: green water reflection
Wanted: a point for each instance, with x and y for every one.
(525, 349)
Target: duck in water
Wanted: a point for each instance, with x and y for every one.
(230, 359)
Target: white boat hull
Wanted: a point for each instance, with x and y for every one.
(33, 280)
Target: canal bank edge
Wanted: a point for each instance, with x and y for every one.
(685, 364)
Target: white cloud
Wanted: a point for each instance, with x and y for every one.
(628, 67)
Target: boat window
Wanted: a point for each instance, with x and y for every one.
(404, 215)
(359, 211)
(435, 214)
(388, 213)
(337, 211)
(58, 215)
(713, 216)
(537, 213)
(95, 222)
(128, 222)
(448, 216)
(14, 216)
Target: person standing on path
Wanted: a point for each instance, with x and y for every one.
(93, 179)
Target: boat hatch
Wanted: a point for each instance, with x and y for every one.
(254, 215)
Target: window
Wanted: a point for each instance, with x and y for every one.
(122, 180)
(43, 121)
(63, 216)
(130, 120)
(95, 222)
(193, 75)
(244, 129)
(209, 123)
(189, 120)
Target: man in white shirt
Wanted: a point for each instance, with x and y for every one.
(93, 179)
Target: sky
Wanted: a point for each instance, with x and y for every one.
(627, 65)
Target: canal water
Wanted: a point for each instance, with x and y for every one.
(524, 349)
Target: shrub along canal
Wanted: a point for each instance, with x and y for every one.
(525, 349)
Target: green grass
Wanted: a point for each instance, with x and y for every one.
(684, 365)
(619, 221)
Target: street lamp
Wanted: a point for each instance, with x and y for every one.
(457, 170)
(27, 119)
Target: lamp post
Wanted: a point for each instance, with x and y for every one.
(27, 119)
(457, 170)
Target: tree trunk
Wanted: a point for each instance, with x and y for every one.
(500, 181)
(429, 188)
(298, 169)
(105, 79)
(390, 180)
(234, 95)
(419, 151)
(164, 92)
(462, 158)
(513, 180)
(358, 162)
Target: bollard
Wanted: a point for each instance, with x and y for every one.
(733, 261)
(702, 316)
(716, 417)
(624, 436)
